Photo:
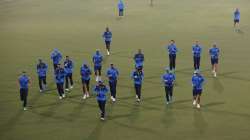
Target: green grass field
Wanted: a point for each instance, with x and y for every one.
(30, 29)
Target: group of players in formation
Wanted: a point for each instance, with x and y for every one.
(63, 72)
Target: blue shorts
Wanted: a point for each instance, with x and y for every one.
(236, 21)
(86, 82)
(197, 92)
(97, 68)
(214, 61)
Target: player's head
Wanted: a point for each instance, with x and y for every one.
(97, 51)
(23, 72)
(237, 9)
(100, 82)
(107, 29)
(139, 51)
(196, 42)
(111, 65)
(172, 41)
(55, 50)
(40, 60)
(214, 45)
(67, 57)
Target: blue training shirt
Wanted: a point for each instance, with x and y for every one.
(101, 92)
(168, 79)
(172, 49)
(197, 50)
(139, 59)
(68, 66)
(97, 59)
(112, 74)
(137, 77)
(214, 52)
(60, 75)
(42, 69)
(85, 73)
(107, 36)
(120, 5)
(237, 15)
(23, 82)
(197, 82)
(56, 57)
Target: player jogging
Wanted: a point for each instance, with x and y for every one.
(24, 82)
(168, 79)
(214, 54)
(85, 73)
(107, 36)
(197, 83)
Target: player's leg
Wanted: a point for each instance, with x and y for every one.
(174, 59)
(40, 83)
(45, 82)
(111, 90)
(59, 90)
(25, 95)
(198, 62)
(84, 89)
(171, 93)
(71, 80)
(194, 97)
(198, 98)
(67, 82)
(115, 84)
(170, 62)
(62, 90)
(167, 95)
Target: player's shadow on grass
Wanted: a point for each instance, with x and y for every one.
(199, 123)
(240, 32)
(213, 104)
(168, 118)
(217, 85)
(96, 132)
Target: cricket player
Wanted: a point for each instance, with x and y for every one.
(237, 19)
(107, 36)
(56, 57)
(121, 8)
(42, 69)
(214, 54)
(172, 50)
(112, 74)
(68, 67)
(59, 79)
(137, 76)
(85, 73)
(139, 60)
(97, 60)
(101, 90)
(24, 82)
(168, 79)
(197, 83)
(196, 50)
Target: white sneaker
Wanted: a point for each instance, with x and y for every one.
(87, 95)
(84, 97)
(67, 89)
(96, 79)
(198, 106)
(63, 95)
(136, 96)
(194, 102)
(60, 97)
(138, 100)
(167, 102)
(24, 108)
(41, 91)
(108, 53)
(215, 75)
(71, 87)
(102, 118)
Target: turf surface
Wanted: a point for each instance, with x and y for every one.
(30, 29)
